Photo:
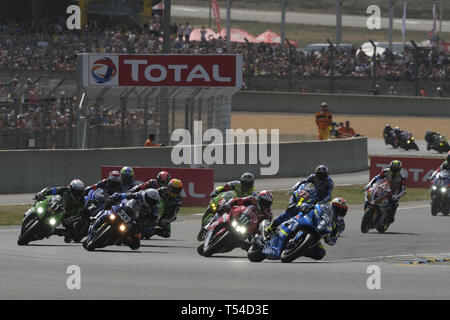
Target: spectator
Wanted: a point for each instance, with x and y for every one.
(392, 91)
(149, 142)
(187, 32)
(423, 93)
(323, 121)
(347, 131)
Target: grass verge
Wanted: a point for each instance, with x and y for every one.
(13, 214)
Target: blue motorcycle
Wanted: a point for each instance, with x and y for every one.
(440, 193)
(306, 193)
(303, 231)
(94, 203)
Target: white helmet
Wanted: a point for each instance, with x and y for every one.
(151, 197)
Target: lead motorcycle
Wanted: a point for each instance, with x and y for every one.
(230, 230)
(440, 193)
(113, 226)
(41, 220)
(376, 206)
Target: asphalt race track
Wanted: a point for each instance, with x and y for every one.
(413, 257)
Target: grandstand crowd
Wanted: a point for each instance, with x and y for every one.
(50, 46)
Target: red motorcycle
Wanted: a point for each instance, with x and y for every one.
(230, 230)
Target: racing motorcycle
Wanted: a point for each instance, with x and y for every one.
(305, 232)
(440, 193)
(407, 142)
(376, 206)
(230, 230)
(212, 209)
(388, 135)
(41, 220)
(115, 228)
(440, 144)
(94, 203)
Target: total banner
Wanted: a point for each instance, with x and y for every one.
(161, 70)
(419, 169)
(197, 183)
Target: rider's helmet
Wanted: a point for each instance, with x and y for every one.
(395, 167)
(127, 174)
(340, 206)
(114, 179)
(247, 181)
(388, 126)
(264, 200)
(397, 130)
(163, 178)
(322, 172)
(76, 188)
(151, 197)
(175, 186)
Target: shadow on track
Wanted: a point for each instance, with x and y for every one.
(397, 233)
(127, 251)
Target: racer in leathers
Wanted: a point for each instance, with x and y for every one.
(162, 180)
(73, 202)
(331, 220)
(324, 186)
(444, 166)
(398, 177)
(430, 136)
(159, 223)
(141, 205)
(262, 202)
(110, 184)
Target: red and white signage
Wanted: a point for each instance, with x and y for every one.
(197, 183)
(159, 70)
(419, 169)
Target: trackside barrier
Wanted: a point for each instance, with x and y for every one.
(355, 104)
(197, 183)
(419, 169)
(32, 170)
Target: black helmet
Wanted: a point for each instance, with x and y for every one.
(76, 188)
(395, 166)
(322, 172)
(247, 181)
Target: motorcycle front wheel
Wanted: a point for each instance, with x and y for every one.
(217, 244)
(296, 248)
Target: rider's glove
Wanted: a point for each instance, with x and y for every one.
(38, 196)
(213, 194)
(304, 208)
(269, 229)
(224, 207)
